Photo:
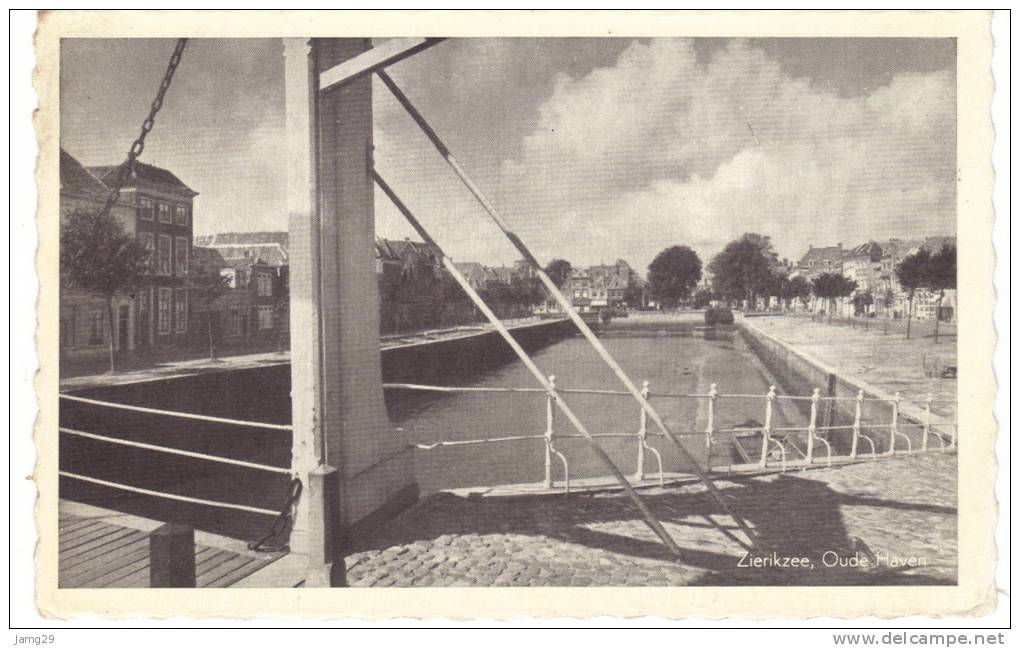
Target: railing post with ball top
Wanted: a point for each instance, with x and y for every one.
(894, 427)
(710, 429)
(642, 434)
(549, 419)
(812, 424)
(766, 432)
(857, 422)
(927, 422)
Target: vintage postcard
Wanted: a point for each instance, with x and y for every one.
(504, 314)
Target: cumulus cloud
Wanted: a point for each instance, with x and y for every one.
(663, 148)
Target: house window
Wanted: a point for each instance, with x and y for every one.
(163, 255)
(96, 325)
(265, 317)
(181, 215)
(264, 285)
(181, 310)
(145, 238)
(146, 208)
(163, 310)
(231, 276)
(234, 322)
(67, 322)
(181, 256)
(164, 213)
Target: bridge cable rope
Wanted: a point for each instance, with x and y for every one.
(186, 415)
(170, 496)
(581, 325)
(614, 470)
(175, 451)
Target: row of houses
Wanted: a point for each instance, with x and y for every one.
(594, 288)
(872, 265)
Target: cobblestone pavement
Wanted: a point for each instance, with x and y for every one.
(902, 510)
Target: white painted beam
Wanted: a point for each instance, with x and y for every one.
(377, 58)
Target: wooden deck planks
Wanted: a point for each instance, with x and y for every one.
(95, 553)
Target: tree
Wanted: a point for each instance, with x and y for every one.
(912, 273)
(559, 271)
(832, 286)
(97, 256)
(745, 268)
(634, 294)
(703, 298)
(862, 300)
(673, 274)
(206, 285)
(792, 288)
(941, 277)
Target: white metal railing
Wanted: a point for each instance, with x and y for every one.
(774, 439)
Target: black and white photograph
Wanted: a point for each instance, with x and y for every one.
(631, 313)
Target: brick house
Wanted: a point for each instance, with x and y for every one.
(156, 207)
(164, 224)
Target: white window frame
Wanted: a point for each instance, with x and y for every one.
(181, 215)
(148, 241)
(267, 324)
(146, 208)
(181, 268)
(160, 270)
(180, 310)
(163, 208)
(164, 297)
(234, 322)
(263, 284)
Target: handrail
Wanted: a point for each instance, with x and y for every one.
(175, 451)
(171, 496)
(186, 415)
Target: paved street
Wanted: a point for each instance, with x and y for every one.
(889, 362)
(902, 510)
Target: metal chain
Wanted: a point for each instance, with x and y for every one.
(126, 168)
(282, 521)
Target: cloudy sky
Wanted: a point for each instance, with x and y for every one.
(595, 149)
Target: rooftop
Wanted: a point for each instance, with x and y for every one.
(145, 173)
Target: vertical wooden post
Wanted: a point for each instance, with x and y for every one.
(550, 414)
(305, 323)
(326, 566)
(373, 458)
(767, 430)
(642, 435)
(172, 556)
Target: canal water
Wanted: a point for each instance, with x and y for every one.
(672, 354)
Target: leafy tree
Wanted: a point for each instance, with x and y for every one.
(745, 268)
(634, 294)
(559, 271)
(832, 286)
(673, 274)
(703, 298)
(97, 256)
(206, 285)
(862, 300)
(912, 273)
(941, 277)
(795, 288)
